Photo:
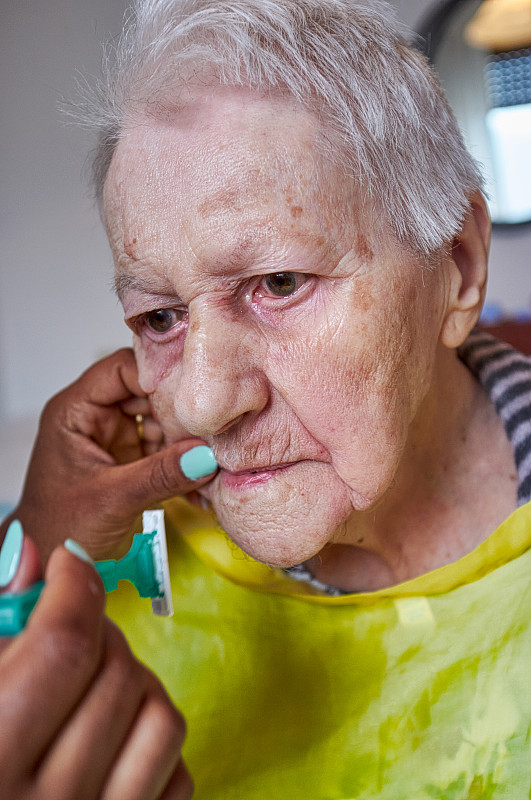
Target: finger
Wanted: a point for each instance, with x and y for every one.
(152, 430)
(99, 726)
(117, 435)
(143, 428)
(156, 477)
(198, 500)
(47, 668)
(151, 754)
(29, 568)
(128, 439)
(112, 380)
(136, 405)
(180, 786)
(28, 571)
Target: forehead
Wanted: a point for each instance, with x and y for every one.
(220, 176)
(222, 143)
(229, 122)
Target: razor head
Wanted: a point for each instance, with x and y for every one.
(153, 521)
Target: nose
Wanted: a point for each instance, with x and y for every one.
(220, 377)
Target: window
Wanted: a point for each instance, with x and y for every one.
(490, 91)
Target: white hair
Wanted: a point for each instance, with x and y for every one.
(378, 100)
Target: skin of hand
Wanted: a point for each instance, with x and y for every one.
(80, 717)
(89, 475)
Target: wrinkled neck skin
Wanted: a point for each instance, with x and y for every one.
(348, 433)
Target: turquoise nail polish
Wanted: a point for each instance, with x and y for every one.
(198, 462)
(10, 552)
(77, 550)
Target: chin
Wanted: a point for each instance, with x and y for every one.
(287, 520)
(277, 551)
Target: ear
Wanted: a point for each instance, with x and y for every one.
(467, 269)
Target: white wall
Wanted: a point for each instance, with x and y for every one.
(57, 310)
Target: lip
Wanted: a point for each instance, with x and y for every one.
(248, 478)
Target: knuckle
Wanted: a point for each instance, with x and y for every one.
(52, 404)
(173, 724)
(12, 774)
(125, 673)
(189, 787)
(49, 788)
(167, 718)
(163, 477)
(183, 785)
(69, 649)
(50, 411)
(46, 792)
(56, 404)
(123, 669)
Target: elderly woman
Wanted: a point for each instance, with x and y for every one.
(301, 243)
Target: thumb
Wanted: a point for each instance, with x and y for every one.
(176, 470)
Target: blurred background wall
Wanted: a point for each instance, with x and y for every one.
(57, 313)
(57, 309)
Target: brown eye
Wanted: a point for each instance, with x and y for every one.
(162, 319)
(282, 284)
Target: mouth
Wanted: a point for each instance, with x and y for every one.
(251, 477)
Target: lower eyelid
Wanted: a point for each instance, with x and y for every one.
(161, 338)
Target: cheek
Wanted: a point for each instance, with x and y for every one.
(320, 386)
(326, 393)
(326, 374)
(155, 367)
(350, 386)
(155, 362)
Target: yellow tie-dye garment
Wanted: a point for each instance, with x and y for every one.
(416, 692)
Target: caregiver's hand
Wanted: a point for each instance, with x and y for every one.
(80, 718)
(90, 475)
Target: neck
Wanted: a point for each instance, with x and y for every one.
(455, 484)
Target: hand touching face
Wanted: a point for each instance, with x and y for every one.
(90, 476)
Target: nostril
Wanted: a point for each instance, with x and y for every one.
(230, 424)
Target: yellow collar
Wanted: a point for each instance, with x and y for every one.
(202, 533)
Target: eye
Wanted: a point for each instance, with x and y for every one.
(283, 284)
(161, 320)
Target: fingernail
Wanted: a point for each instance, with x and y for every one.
(198, 462)
(10, 552)
(77, 550)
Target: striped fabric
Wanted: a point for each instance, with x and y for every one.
(505, 375)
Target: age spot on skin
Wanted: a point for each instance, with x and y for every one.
(129, 248)
(363, 249)
(364, 300)
(296, 211)
(225, 198)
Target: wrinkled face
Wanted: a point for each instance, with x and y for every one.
(272, 315)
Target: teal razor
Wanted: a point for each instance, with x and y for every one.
(145, 566)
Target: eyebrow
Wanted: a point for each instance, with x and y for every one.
(123, 282)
